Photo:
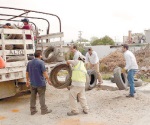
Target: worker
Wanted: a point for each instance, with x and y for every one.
(76, 52)
(26, 26)
(7, 25)
(92, 59)
(2, 63)
(35, 76)
(77, 88)
(131, 68)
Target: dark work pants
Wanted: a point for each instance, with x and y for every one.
(41, 93)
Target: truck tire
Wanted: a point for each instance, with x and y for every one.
(53, 76)
(137, 82)
(60, 55)
(120, 79)
(93, 78)
(48, 55)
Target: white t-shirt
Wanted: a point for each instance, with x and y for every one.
(76, 55)
(130, 60)
(93, 59)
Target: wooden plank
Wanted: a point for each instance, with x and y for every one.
(49, 36)
(14, 41)
(3, 45)
(12, 69)
(15, 31)
(56, 43)
(15, 64)
(16, 52)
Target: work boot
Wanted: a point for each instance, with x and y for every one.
(85, 111)
(130, 96)
(99, 84)
(46, 112)
(34, 112)
(72, 113)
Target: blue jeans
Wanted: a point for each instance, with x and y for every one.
(130, 77)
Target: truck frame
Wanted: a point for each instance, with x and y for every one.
(13, 76)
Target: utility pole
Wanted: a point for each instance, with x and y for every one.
(80, 36)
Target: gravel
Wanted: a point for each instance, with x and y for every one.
(106, 108)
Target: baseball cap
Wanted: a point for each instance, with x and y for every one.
(25, 20)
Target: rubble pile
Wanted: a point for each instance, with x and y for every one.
(143, 60)
(110, 62)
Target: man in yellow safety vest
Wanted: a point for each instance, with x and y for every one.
(77, 88)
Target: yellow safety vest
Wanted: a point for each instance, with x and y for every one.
(79, 73)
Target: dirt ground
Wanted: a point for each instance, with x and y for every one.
(106, 108)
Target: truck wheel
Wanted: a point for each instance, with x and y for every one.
(53, 76)
(120, 79)
(112, 79)
(48, 55)
(93, 78)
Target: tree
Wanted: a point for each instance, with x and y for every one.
(94, 38)
(106, 40)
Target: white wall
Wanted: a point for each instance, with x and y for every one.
(147, 34)
(103, 50)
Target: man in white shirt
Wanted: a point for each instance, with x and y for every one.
(75, 52)
(131, 67)
(93, 60)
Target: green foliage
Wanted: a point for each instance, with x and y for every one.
(106, 40)
(94, 38)
(145, 79)
(107, 76)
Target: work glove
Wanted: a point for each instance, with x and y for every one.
(124, 70)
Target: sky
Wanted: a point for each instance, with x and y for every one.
(93, 17)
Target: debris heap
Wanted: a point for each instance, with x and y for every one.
(143, 60)
(110, 62)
